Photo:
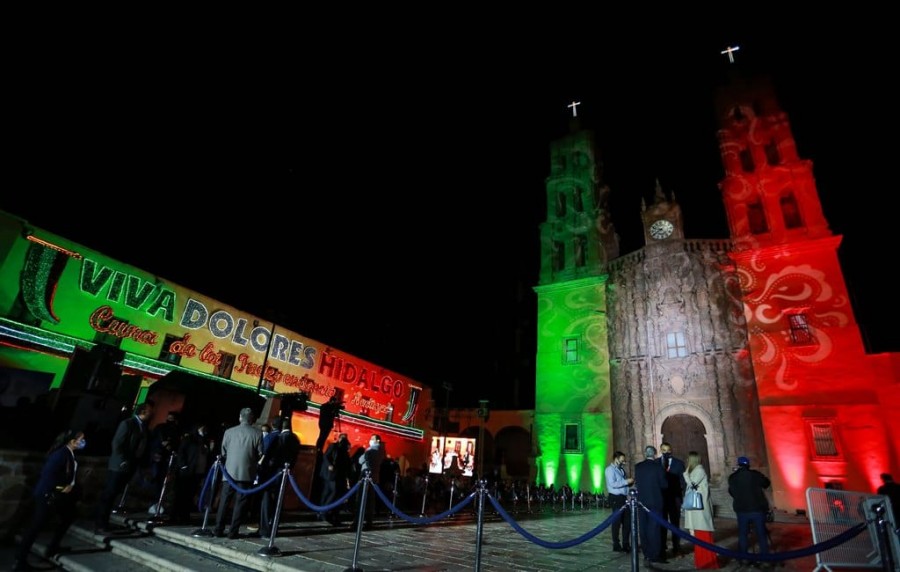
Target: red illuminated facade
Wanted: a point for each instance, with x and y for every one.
(829, 410)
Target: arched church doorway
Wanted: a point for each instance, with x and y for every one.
(686, 433)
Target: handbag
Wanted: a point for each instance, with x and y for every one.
(693, 500)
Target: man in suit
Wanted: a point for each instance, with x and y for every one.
(650, 481)
(672, 496)
(334, 472)
(128, 447)
(242, 448)
(283, 451)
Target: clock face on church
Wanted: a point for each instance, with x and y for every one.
(661, 229)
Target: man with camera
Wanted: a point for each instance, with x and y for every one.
(746, 486)
(328, 412)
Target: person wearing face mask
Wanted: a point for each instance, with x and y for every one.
(192, 464)
(56, 492)
(617, 485)
(672, 496)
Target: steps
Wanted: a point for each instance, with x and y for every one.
(135, 548)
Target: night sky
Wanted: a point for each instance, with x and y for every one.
(387, 201)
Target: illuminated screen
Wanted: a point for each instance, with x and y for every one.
(452, 455)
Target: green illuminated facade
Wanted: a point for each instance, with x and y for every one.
(573, 426)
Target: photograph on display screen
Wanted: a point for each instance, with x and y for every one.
(452, 455)
(436, 462)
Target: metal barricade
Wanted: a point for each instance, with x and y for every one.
(832, 512)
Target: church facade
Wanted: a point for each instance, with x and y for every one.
(742, 346)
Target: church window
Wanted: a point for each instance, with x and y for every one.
(824, 444)
(800, 333)
(560, 203)
(558, 255)
(580, 246)
(773, 157)
(757, 218)
(675, 345)
(572, 442)
(790, 211)
(747, 160)
(577, 200)
(570, 350)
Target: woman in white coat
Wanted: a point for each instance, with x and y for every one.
(700, 522)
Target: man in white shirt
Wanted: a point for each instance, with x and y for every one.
(617, 485)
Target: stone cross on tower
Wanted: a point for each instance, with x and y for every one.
(574, 106)
(730, 51)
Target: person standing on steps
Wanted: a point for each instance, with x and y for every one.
(129, 445)
(57, 491)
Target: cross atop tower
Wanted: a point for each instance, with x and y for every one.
(574, 107)
(730, 51)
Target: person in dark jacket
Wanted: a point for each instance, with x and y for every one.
(56, 492)
(650, 481)
(747, 489)
(672, 497)
(129, 445)
(192, 463)
(334, 472)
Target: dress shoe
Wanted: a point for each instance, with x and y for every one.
(617, 548)
(626, 548)
(219, 533)
(233, 535)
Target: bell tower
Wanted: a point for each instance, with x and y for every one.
(769, 193)
(805, 346)
(573, 426)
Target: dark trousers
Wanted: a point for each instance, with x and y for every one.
(332, 490)
(649, 533)
(186, 487)
(63, 507)
(759, 529)
(116, 481)
(672, 514)
(622, 524)
(240, 506)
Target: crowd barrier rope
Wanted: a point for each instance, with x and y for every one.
(481, 493)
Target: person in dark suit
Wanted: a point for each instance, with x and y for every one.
(650, 481)
(55, 492)
(672, 496)
(128, 447)
(334, 473)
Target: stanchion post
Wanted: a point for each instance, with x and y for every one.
(424, 498)
(394, 500)
(203, 531)
(120, 508)
(452, 490)
(270, 549)
(162, 493)
(884, 537)
(633, 508)
(360, 518)
(480, 528)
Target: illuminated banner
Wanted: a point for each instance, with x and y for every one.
(73, 291)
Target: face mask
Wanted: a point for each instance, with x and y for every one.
(80, 444)
(667, 456)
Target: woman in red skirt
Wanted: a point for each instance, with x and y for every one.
(700, 522)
